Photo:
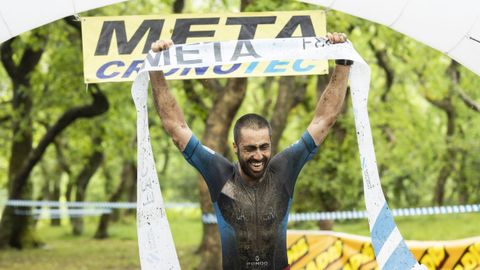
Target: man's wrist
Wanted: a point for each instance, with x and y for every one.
(344, 62)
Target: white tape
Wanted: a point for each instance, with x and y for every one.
(110, 205)
(65, 212)
(354, 214)
(155, 241)
(307, 216)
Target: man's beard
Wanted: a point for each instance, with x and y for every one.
(246, 169)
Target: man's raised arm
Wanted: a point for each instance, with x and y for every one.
(167, 107)
(330, 103)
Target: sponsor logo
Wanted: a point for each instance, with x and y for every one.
(114, 47)
(470, 260)
(434, 257)
(327, 257)
(365, 256)
(298, 250)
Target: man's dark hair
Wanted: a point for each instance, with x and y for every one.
(253, 121)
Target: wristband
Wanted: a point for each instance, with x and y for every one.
(343, 62)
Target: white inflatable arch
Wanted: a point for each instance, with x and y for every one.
(452, 27)
(18, 16)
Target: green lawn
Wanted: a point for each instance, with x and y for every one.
(439, 227)
(66, 252)
(120, 252)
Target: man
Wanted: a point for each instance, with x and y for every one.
(252, 198)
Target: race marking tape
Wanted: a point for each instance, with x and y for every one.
(156, 247)
(294, 217)
(59, 213)
(112, 205)
(348, 215)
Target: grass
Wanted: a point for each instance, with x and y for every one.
(437, 227)
(66, 252)
(120, 252)
(63, 251)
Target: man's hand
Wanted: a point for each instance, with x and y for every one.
(339, 38)
(161, 45)
(336, 37)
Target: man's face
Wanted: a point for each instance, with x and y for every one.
(253, 150)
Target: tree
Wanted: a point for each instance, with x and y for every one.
(15, 230)
(83, 179)
(128, 175)
(451, 152)
(22, 131)
(291, 92)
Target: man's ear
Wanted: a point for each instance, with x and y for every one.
(235, 148)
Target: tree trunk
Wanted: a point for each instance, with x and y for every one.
(267, 89)
(55, 197)
(290, 94)
(451, 152)
(15, 230)
(462, 180)
(45, 193)
(83, 180)
(128, 173)
(448, 160)
(383, 62)
(132, 188)
(178, 6)
(463, 191)
(62, 167)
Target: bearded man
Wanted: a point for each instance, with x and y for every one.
(252, 198)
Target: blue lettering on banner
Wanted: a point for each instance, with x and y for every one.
(201, 70)
(171, 72)
(135, 66)
(114, 69)
(298, 68)
(101, 71)
(251, 67)
(198, 71)
(218, 69)
(185, 72)
(272, 67)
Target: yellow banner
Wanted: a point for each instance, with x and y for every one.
(114, 47)
(319, 250)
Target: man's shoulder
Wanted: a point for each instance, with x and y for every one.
(284, 154)
(221, 165)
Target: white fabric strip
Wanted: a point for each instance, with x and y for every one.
(394, 239)
(155, 242)
(153, 230)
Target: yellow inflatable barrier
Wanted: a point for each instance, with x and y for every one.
(326, 250)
